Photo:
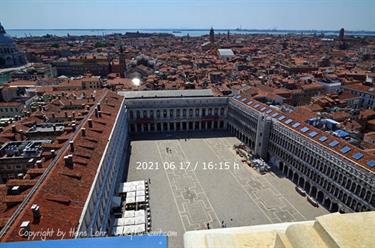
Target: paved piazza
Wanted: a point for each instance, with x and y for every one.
(187, 191)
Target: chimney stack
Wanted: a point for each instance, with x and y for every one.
(73, 127)
(90, 123)
(83, 132)
(96, 113)
(15, 190)
(54, 127)
(99, 107)
(68, 161)
(71, 143)
(36, 212)
(53, 153)
(38, 163)
(14, 130)
(25, 228)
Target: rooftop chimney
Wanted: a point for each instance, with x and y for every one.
(71, 143)
(38, 163)
(68, 160)
(90, 123)
(53, 153)
(25, 228)
(96, 113)
(99, 107)
(14, 128)
(15, 190)
(83, 132)
(36, 212)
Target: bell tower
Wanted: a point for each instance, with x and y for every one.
(212, 35)
(122, 62)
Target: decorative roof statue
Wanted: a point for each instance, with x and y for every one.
(2, 30)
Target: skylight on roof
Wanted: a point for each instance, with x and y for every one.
(357, 155)
(304, 130)
(323, 138)
(313, 134)
(334, 143)
(256, 105)
(244, 99)
(296, 124)
(281, 118)
(269, 111)
(275, 114)
(345, 149)
(262, 109)
(239, 96)
(288, 121)
(371, 163)
(249, 102)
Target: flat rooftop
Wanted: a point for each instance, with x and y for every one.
(184, 199)
(166, 93)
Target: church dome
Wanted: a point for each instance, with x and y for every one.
(10, 56)
(6, 40)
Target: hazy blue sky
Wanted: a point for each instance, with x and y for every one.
(280, 14)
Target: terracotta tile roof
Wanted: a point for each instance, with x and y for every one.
(362, 162)
(63, 192)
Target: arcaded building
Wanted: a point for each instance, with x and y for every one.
(177, 110)
(333, 172)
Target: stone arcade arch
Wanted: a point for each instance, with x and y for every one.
(320, 197)
(301, 182)
(295, 178)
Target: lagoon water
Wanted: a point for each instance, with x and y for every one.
(177, 32)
